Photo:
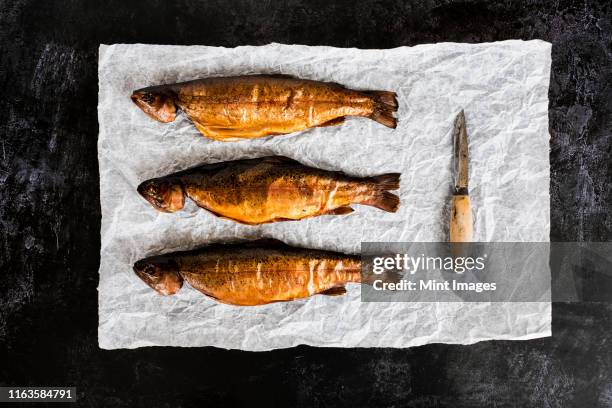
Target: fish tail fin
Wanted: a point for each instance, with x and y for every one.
(383, 200)
(389, 181)
(385, 103)
(379, 197)
(386, 99)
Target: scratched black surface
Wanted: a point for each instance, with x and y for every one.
(50, 216)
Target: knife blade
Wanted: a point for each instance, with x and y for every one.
(461, 222)
(461, 154)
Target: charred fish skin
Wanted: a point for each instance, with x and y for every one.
(269, 189)
(253, 273)
(252, 106)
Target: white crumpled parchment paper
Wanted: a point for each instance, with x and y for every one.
(503, 88)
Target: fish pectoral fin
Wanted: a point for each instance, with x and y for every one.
(202, 129)
(208, 294)
(215, 133)
(340, 211)
(333, 122)
(337, 291)
(232, 134)
(216, 214)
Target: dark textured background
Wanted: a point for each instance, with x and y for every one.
(50, 216)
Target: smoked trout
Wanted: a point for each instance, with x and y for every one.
(251, 106)
(269, 189)
(252, 273)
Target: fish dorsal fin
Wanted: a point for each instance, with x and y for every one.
(280, 76)
(289, 76)
(247, 243)
(279, 159)
(267, 242)
(337, 291)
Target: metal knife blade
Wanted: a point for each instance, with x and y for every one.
(461, 155)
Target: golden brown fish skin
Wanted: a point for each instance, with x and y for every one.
(269, 189)
(252, 106)
(253, 273)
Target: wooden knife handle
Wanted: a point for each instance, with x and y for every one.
(461, 222)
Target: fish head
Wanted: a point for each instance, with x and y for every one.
(163, 194)
(160, 273)
(157, 102)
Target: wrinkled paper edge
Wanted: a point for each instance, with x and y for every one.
(542, 333)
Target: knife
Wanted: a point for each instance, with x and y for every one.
(461, 221)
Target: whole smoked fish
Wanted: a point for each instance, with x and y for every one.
(252, 106)
(253, 273)
(269, 189)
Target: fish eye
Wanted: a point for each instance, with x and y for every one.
(150, 270)
(155, 193)
(147, 97)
